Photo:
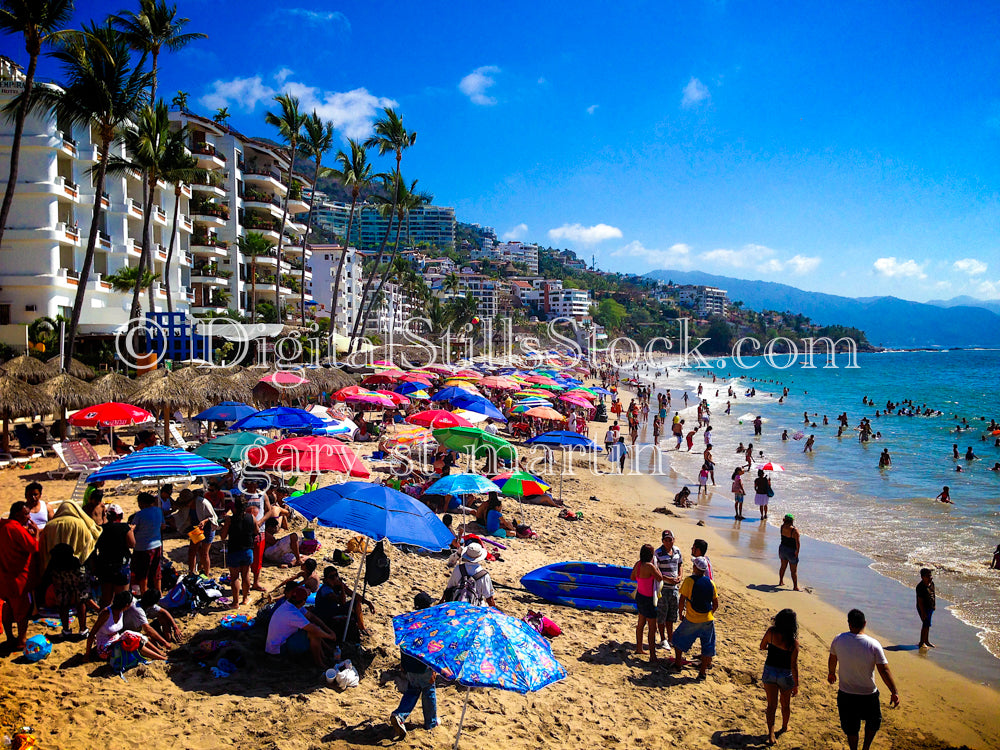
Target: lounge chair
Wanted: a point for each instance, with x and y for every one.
(86, 452)
(69, 463)
(27, 442)
(178, 438)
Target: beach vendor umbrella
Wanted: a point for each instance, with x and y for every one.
(581, 393)
(438, 418)
(541, 380)
(411, 435)
(546, 413)
(18, 399)
(771, 466)
(478, 647)
(157, 461)
(479, 404)
(227, 411)
(283, 378)
(231, 447)
(576, 401)
(376, 511)
(564, 440)
(351, 390)
(396, 398)
(278, 417)
(419, 396)
(472, 417)
(600, 391)
(306, 455)
(498, 382)
(110, 414)
(520, 484)
(417, 377)
(383, 377)
(461, 484)
(447, 394)
(475, 441)
(473, 374)
(411, 386)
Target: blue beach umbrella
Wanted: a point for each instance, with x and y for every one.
(231, 447)
(449, 393)
(279, 417)
(478, 647)
(461, 484)
(565, 440)
(405, 389)
(227, 411)
(478, 404)
(157, 461)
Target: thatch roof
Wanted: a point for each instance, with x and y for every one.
(171, 388)
(330, 379)
(69, 392)
(402, 356)
(113, 387)
(28, 369)
(74, 367)
(215, 387)
(19, 399)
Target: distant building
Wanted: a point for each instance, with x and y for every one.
(394, 311)
(567, 303)
(485, 290)
(704, 300)
(434, 225)
(325, 259)
(518, 252)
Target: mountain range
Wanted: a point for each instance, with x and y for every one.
(887, 321)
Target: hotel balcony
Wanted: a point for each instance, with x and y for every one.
(67, 190)
(266, 177)
(97, 284)
(208, 277)
(133, 248)
(132, 208)
(270, 207)
(185, 225)
(103, 242)
(209, 247)
(67, 145)
(207, 156)
(210, 184)
(200, 309)
(212, 215)
(159, 216)
(297, 206)
(67, 235)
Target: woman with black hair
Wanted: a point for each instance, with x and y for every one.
(781, 668)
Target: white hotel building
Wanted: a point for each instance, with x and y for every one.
(324, 262)
(46, 235)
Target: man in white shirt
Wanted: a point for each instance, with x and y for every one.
(859, 655)
(294, 631)
(471, 570)
(609, 439)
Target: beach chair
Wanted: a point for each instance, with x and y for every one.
(88, 453)
(178, 438)
(68, 464)
(27, 442)
(79, 490)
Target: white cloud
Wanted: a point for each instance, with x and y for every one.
(517, 233)
(477, 83)
(351, 112)
(695, 92)
(676, 256)
(970, 266)
(586, 235)
(988, 289)
(317, 17)
(893, 268)
(592, 108)
(801, 264)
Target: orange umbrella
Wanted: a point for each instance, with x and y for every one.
(545, 412)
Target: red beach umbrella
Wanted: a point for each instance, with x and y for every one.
(438, 419)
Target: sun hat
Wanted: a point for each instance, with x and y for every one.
(700, 563)
(116, 509)
(474, 553)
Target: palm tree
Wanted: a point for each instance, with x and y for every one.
(178, 167)
(317, 139)
(253, 244)
(180, 101)
(38, 21)
(129, 279)
(151, 147)
(451, 283)
(390, 137)
(289, 123)
(100, 89)
(221, 115)
(154, 27)
(356, 173)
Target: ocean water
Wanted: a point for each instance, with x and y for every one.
(838, 494)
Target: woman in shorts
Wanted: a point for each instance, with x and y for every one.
(646, 575)
(781, 669)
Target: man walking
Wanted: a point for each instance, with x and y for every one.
(926, 602)
(669, 561)
(859, 655)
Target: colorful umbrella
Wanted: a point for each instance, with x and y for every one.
(231, 447)
(498, 382)
(565, 440)
(396, 398)
(479, 404)
(157, 461)
(478, 647)
(545, 412)
(520, 484)
(110, 414)
(447, 394)
(473, 440)
(306, 455)
(227, 411)
(283, 378)
(576, 401)
(461, 484)
(278, 417)
(438, 418)
(410, 387)
(771, 466)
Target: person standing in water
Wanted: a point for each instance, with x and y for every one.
(926, 603)
(762, 493)
(945, 496)
(788, 551)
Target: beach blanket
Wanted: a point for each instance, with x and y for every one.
(71, 526)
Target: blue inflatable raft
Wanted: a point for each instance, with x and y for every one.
(584, 585)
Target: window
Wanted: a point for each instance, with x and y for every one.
(4, 313)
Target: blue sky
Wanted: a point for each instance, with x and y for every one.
(848, 147)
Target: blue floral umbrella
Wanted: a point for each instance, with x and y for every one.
(478, 647)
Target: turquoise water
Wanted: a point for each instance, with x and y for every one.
(838, 493)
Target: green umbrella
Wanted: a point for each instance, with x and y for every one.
(475, 441)
(231, 447)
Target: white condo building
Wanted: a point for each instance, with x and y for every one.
(45, 240)
(324, 262)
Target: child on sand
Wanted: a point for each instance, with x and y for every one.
(703, 481)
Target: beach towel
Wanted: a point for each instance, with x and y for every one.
(71, 526)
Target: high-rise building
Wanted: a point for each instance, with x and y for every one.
(48, 227)
(434, 225)
(325, 260)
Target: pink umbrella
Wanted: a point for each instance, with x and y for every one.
(438, 418)
(498, 382)
(771, 466)
(306, 455)
(397, 398)
(576, 401)
(541, 380)
(283, 377)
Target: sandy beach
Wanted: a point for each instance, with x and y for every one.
(611, 697)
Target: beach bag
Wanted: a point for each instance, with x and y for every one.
(542, 624)
(377, 566)
(347, 675)
(309, 546)
(178, 597)
(123, 659)
(465, 591)
(37, 648)
(770, 490)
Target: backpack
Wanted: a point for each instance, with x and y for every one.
(377, 566)
(701, 595)
(465, 591)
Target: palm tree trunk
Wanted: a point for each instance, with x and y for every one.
(305, 246)
(147, 235)
(378, 262)
(170, 249)
(281, 237)
(88, 258)
(388, 269)
(340, 265)
(15, 147)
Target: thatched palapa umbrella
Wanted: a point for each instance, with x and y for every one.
(27, 369)
(18, 399)
(74, 367)
(216, 387)
(68, 392)
(113, 387)
(166, 391)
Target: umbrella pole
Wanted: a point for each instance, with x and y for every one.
(461, 721)
(354, 593)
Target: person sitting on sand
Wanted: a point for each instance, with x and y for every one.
(333, 601)
(646, 575)
(147, 611)
(699, 599)
(283, 551)
(945, 496)
(109, 630)
(781, 669)
(683, 498)
(294, 631)
(496, 525)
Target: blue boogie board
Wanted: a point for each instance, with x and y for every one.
(584, 585)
